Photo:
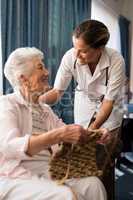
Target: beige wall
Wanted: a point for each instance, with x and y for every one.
(114, 4)
(125, 8)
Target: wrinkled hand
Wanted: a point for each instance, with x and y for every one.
(73, 134)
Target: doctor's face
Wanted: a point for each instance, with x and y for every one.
(84, 53)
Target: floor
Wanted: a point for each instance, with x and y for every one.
(124, 182)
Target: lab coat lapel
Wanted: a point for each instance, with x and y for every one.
(101, 66)
(96, 74)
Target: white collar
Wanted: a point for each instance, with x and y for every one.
(21, 99)
(104, 61)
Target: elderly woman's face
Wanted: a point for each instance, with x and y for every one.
(38, 79)
(84, 53)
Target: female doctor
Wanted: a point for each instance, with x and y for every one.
(99, 73)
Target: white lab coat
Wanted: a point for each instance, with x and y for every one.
(91, 87)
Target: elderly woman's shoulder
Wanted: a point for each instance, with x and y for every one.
(6, 96)
(7, 100)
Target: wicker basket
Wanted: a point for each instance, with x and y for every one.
(76, 161)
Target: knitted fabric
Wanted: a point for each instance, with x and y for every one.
(76, 161)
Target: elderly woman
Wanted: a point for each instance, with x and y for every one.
(28, 131)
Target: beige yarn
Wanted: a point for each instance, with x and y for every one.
(76, 161)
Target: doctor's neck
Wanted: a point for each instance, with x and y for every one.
(92, 65)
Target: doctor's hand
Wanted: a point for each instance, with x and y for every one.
(73, 134)
(106, 136)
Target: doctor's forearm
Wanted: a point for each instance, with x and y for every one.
(103, 114)
(51, 97)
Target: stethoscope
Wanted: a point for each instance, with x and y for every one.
(75, 62)
(82, 90)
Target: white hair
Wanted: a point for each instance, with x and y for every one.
(16, 65)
